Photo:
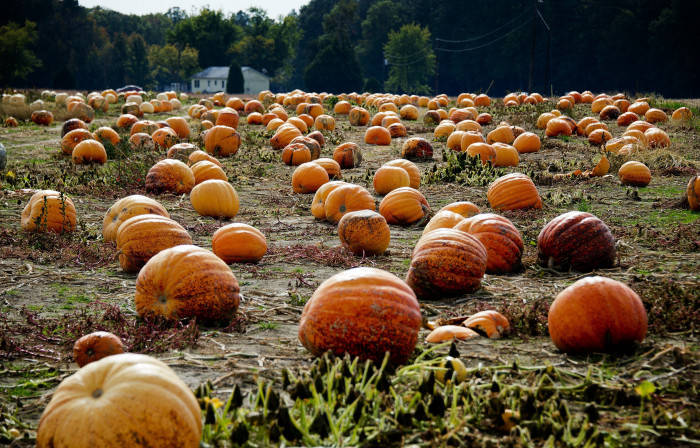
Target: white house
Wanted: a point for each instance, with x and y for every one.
(214, 79)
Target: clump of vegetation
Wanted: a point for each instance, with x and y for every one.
(459, 167)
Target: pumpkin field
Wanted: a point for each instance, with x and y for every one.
(306, 269)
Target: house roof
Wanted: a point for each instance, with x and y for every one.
(221, 72)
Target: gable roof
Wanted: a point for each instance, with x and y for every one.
(221, 72)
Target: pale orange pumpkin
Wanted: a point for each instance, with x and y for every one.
(239, 243)
(404, 206)
(215, 198)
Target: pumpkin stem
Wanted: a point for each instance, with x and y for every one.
(97, 393)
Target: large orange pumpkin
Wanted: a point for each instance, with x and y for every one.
(464, 208)
(502, 241)
(693, 193)
(239, 243)
(89, 151)
(596, 314)
(377, 135)
(446, 262)
(411, 169)
(295, 154)
(364, 312)
(142, 236)
(308, 177)
(347, 198)
(634, 173)
(364, 232)
(284, 136)
(49, 210)
(513, 191)
(222, 141)
(348, 155)
(170, 175)
(126, 208)
(388, 178)
(121, 400)
(215, 197)
(73, 137)
(206, 170)
(443, 219)
(404, 206)
(318, 204)
(417, 148)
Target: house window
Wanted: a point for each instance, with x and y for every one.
(196, 83)
(208, 83)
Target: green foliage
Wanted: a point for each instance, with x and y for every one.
(234, 84)
(381, 18)
(209, 32)
(459, 167)
(17, 58)
(411, 60)
(169, 64)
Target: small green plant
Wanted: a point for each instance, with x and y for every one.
(459, 167)
(268, 325)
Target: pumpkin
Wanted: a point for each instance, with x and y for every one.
(464, 208)
(397, 130)
(199, 155)
(556, 127)
(596, 314)
(312, 144)
(170, 175)
(215, 197)
(431, 118)
(404, 206)
(627, 118)
(446, 262)
(222, 141)
(89, 151)
(358, 116)
(299, 124)
(503, 243)
(543, 119)
(364, 312)
(318, 136)
(308, 177)
(49, 210)
(490, 323)
(609, 112)
(239, 243)
(655, 116)
(454, 141)
(601, 168)
(253, 106)
(411, 169)
(254, 118)
(364, 232)
(599, 136)
(295, 154)
(640, 126)
(502, 134)
(468, 125)
(95, 346)
(342, 108)
(284, 136)
(206, 170)
(11, 122)
(142, 236)
(446, 333)
(72, 138)
(377, 135)
(318, 204)
(634, 173)
(142, 141)
(146, 126)
(324, 122)
(227, 117)
(76, 123)
(576, 240)
(180, 151)
(409, 112)
(693, 193)
(126, 208)
(165, 138)
(388, 178)
(468, 138)
(331, 166)
(348, 155)
(513, 191)
(527, 142)
(89, 406)
(180, 126)
(347, 198)
(106, 135)
(417, 148)
(506, 155)
(485, 152)
(682, 114)
(443, 219)
(657, 138)
(443, 130)
(484, 118)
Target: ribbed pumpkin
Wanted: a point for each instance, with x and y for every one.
(411, 169)
(513, 191)
(446, 262)
(308, 177)
(121, 400)
(556, 127)
(377, 135)
(126, 208)
(142, 236)
(634, 173)
(693, 193)
(502, 241)
(527, 142)
(404, 206)
(215, 198)
(597, 314)
(170, 175)
(49, 210)
(239, 243)
(364, 312)
(227, 117)
(576, 240)
(506, 155)
(222, 141)
(347, 198)
(364, 232)
(443, 219)
(502, 134)
(417, 148)
(348, 155)
(312, 144)
(295, 154)
(485, 152)
(206, 170)
(73, 137)
(318, 205)
(388, 178)
(89, 151)
(180, 126)
(358, 116)
(284, 136)
(95, 346)
(464, 208)
(199, 155)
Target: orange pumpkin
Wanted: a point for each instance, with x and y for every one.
(284, 136)
(106, 135)
(513, 191)
(404, 206)
(95, 346)
(693, 193)
(180, 126)
(170, 175)
(347, 198)
(506, 155)
(527, 142)
(411, 169)
(142, 142)
(324, 122)
(596, 314)
(318, 204)
(358, 116)
(295, 154)
(443, 219)
(312, 144)
(165, 137)
(464, 208)
(308, 177)
(222, 141)
(364, 312)
(89, 151)
(73, 137)
(502, 241)
(215, 197)
(556, 127)
(364, 232)
(142, 236)
(388, 178)
(417, 148)
(657, 138)
(239, 243)
(486, 152)
(446, 333)
(48, 210)
(348, 155)
(682, 114)
(342, 108)
(126, 208)
(253, 106)
(655, 116)
(502, 134)
(377, 135)
(627, 118)
(227, 117)
(206, 170)
(634, 173)
(490, 323)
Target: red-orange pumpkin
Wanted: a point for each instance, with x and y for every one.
(95, 346)
(502, 241)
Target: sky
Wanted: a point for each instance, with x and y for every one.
(274, 8)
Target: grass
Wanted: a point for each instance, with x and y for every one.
(267, 326)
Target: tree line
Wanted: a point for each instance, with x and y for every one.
(415, 46)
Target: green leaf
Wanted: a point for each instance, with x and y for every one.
(645, 389)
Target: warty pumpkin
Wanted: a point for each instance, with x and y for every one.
(446, 262)
(142, 236)
(513, 191)
(308, 177)
(347, 198)
(348, 155)
(95, 346)
(222, 141)
(576, 240)
(48, 210)
(215, 198)
(239, 243)
(170, 175)
(88, 408)
(596, 314)
(89, 151)
(364, 312)
(404, 206)
(417, 148)
(126, 208)
(364, 232)
(502, 241)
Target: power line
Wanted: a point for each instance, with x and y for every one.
(462, 50)
(493, 31)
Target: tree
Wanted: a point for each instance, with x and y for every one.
(209, 32)
(411, 60)
(234, 84)
(168, 64)
(18, 60)
(375, 31)
(138, 67)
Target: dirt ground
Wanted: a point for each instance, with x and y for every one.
(52, 288)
